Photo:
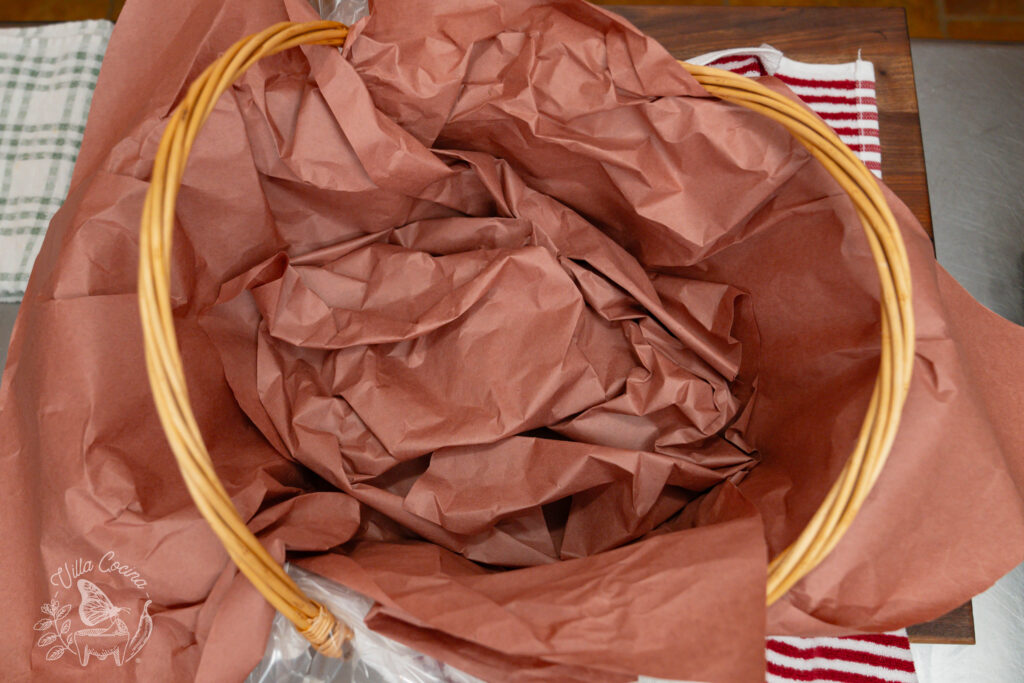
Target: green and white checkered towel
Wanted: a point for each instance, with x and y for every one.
(47, 75)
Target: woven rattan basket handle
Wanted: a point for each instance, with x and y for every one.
(163, 361)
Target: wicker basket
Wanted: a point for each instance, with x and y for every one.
(167, 380)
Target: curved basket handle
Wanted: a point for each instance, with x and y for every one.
(847, 495)
(167, 380)
(163, 362)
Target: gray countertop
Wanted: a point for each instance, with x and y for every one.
(972, 122)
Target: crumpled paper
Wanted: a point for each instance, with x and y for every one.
(496, 317)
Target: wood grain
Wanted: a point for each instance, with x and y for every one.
(957, 627)
(816, 34)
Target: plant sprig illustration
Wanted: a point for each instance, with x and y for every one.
(55, 619)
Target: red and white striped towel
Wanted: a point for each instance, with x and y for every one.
(841, 94)
(883, 658)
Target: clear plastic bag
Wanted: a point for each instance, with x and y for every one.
(375, 659)
(347, 12)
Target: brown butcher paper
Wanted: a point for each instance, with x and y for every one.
(496, 316)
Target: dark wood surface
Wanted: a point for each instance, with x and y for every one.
(816, 34)
(956, 627)
(828, 35)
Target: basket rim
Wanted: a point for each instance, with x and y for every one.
(165, 370)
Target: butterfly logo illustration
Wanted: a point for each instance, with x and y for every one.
(107, 634)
